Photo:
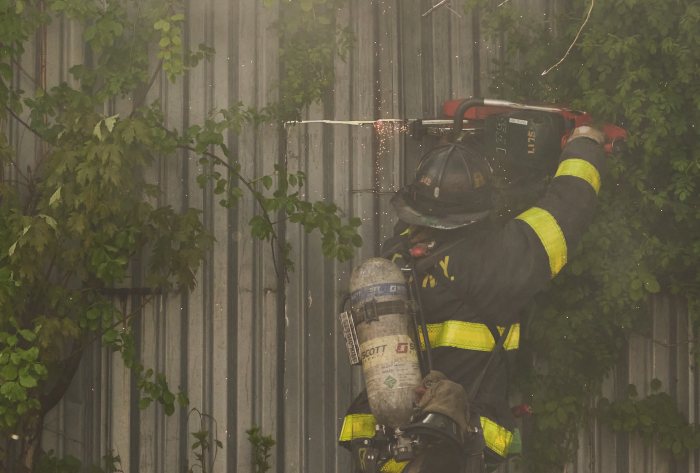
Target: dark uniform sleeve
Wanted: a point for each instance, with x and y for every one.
(518, 260)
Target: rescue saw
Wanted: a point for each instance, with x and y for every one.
(522, 142)
(518, 138)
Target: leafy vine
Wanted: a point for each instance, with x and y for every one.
(81, 215)
(633, 65)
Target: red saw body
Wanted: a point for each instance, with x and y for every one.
(519, 140)
(479, 110)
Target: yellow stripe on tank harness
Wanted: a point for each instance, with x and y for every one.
(392, 466)
(357, 426)
(550, 234)
(582, 169)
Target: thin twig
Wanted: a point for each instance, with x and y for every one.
(588, 16)
(23, 71)
(123, 321)
(25, 124)
(445, 3)
(142, 98)
(439, 4)
(256, 195)
(37, 134)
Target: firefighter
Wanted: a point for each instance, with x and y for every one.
(480, 274)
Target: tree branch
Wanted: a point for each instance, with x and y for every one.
(23, 71)
(142, 97)
(69, 366)
(256, 195)
(588, 16)
(25, 124)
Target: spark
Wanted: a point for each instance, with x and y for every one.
(386, 130)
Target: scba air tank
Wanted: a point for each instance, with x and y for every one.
(390, 366)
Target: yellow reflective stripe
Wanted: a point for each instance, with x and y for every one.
(513, 339)
(392, 466)
(468, 336)
(357, 426)
(580, 168)
(550, 234)
(496, 437)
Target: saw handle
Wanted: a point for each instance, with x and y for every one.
(615, 136)
(458, 123)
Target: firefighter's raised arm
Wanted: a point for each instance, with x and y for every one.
(518, 260)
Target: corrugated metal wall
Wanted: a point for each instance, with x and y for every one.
(667, 354)
(248, 351)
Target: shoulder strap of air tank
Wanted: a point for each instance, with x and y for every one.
(494, 353)
(372, 310)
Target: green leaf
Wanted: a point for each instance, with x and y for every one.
(267, 181)
(651, 284)
(144, 402)
(162, 25)
(97, 131)
(27, 381)
(5, 71)
(677, 447)
(110, 122)
(55, 197)
(182, 399)
(8, 373)
(50, 221)
(28, 335)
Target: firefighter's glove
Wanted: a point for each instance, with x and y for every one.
(587, 132)
(438, 394)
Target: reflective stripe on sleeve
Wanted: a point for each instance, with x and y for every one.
(496, 437)
(469, 336)
(512, 341)
(582, 169)
(392, 466)
(550, 234)
(357, 426)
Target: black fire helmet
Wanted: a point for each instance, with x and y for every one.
(451, 189)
